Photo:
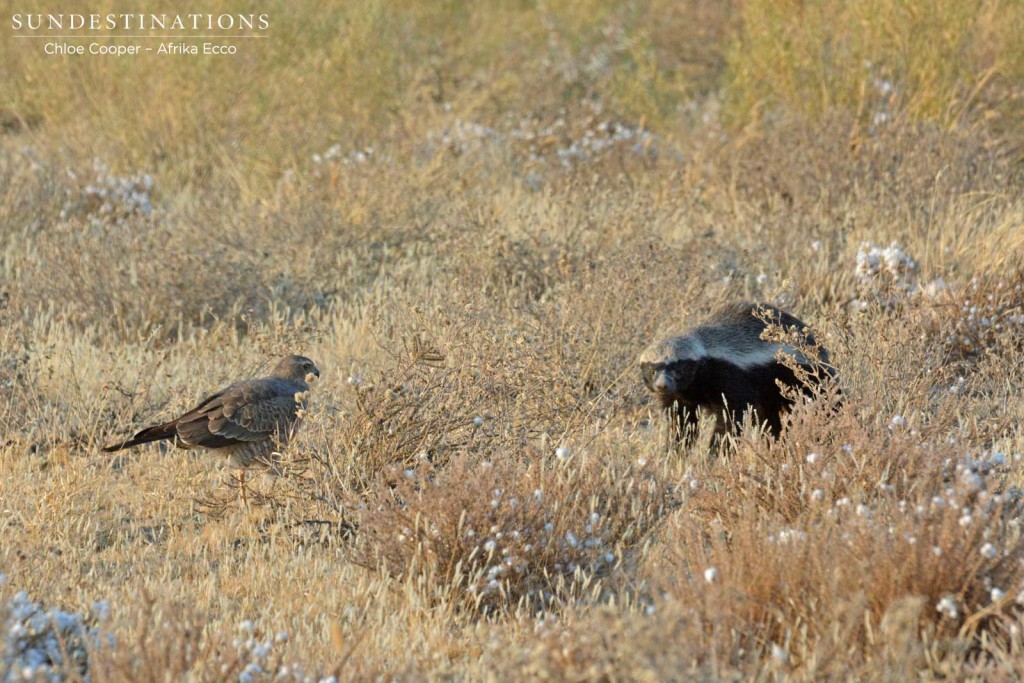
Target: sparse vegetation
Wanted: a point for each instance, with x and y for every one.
(474, 217)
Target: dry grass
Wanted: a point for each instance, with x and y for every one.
(474, 218)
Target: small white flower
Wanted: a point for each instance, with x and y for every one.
(972, 481)
(997, 595)
(792, 535)
(937, 551)
(490, 545)
(478, 420)
(779, 654)
(947, 607)
(812, 458)
(817, 495)
(898, 421)
(710, 574)
(561, 452)
(989, 551)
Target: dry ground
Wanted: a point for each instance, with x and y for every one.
(474, 218)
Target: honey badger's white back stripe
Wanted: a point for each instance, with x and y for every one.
(748, 358)
(737, 351)
(731, 334)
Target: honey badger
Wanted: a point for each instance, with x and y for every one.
(725, 368)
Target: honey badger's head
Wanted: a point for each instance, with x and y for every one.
(668, 367)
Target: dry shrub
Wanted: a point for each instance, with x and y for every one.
(176, 641)
(984, 316)
(846, 599)
(827, 455)
(793, 568)
(46, 643)
(450, 445)
(463, 372)
(522, 530)
(416, 409)
(788, 583)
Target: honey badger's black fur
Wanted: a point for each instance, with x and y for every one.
(725, 368)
